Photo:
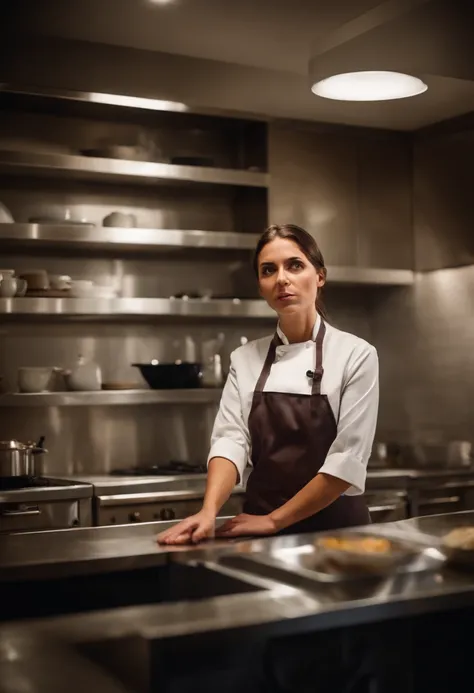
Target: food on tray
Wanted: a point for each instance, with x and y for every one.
(460, 538)
(357, 544)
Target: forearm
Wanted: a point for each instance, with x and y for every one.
(316, 495)
(221, 479)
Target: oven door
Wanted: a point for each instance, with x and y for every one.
(387, 507)
(123, 509)
(440, 498)
(31, 516)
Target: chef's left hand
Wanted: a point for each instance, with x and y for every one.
(247, 525)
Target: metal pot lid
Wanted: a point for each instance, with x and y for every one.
(12, 445)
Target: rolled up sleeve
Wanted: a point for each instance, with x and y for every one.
(230, 435)
(349, 454)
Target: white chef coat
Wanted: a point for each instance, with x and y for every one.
(350, 381)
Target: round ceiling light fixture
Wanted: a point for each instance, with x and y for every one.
(369, 85)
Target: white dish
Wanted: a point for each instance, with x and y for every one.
(35, 379)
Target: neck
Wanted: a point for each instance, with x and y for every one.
(298, 328)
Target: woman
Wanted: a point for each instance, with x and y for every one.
(301, 406)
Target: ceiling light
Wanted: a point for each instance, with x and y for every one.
(371, 85)
(137, 102)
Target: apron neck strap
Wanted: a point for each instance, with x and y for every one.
(270, 358)
(318, 371)
(263, 377)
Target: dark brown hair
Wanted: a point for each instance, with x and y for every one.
(306, 244)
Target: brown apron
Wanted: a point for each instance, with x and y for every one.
(290, 436)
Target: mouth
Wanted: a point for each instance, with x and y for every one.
(285, 296)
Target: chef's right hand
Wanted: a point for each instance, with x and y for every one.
(191, 530)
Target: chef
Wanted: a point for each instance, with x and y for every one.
(300, 406)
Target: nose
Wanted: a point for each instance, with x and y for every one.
(282, 279)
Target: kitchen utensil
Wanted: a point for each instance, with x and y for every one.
(458, 547)
(212, 375)
(119, 151)
(20, 459)
(34, 379)
(6, 273)
(120, 219)
(60, 282)
(37, 280)
(65, 217)
(170, 376)
(5, 215)
(8, 287)
(85, 376)
(21, 287)
(459, 453)
(358, 560)
(104, 292)
(82, 288)
(60, 221)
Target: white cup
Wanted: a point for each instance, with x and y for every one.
(8, 287)
(120, 219)
(6, 273)
(82, 288)
(60, 282)
(32, 379)
(21, 287)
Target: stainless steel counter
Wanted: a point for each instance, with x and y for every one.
(54, 490)
(132, 484)
(277, 608)
(113, 485)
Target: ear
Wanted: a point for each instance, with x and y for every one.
(321, 280)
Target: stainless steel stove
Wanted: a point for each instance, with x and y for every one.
(153, 493)
(172, 468)
(40, 503)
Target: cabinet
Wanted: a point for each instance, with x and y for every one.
(314, 184)
(444, 202)
(350, 189)
(384, 198)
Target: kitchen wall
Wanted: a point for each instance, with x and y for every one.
(88, 439)
(425, 336)
(371, 198)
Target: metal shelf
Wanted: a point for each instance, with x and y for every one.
(119, 170)
(370, 276)
(112, 397)
(138, 307)
(67, 235)
(122, 102)
(135, 239)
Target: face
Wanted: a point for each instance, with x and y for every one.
(287, 280)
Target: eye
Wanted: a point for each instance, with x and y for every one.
(296, 265)
(266, 270)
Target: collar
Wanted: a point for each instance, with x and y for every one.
(315, 331)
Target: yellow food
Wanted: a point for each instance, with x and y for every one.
(368, 545)
(460, 538)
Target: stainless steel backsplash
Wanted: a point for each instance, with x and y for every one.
(425, 336)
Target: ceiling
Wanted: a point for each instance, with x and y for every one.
(260, 49)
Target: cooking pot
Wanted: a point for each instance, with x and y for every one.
(171, 376)
(21, 459)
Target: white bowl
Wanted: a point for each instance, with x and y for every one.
(32, 379)
(82, 288)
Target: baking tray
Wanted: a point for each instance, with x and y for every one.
(304, 566)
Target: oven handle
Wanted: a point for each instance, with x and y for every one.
(446, 500)
(153, 497)
(389, 507)
(27, 512)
